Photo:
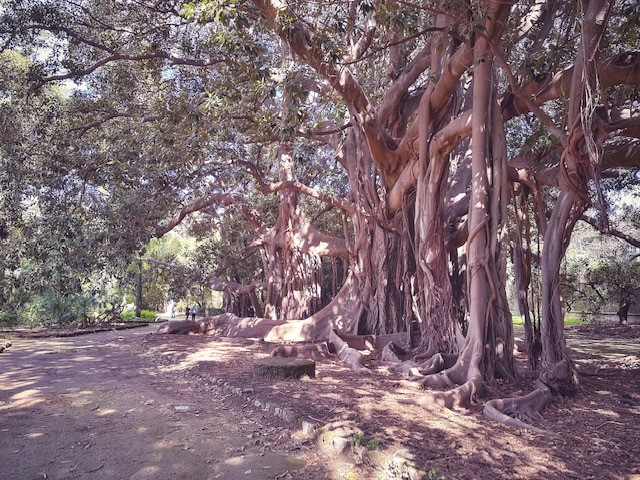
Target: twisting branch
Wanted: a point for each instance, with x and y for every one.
(224, 199)
(266, 187)
(212, 281)
(158, 54)
(616, 233)
(394, 43)
(531, 105)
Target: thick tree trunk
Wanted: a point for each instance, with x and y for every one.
(559, 375)
(434, 297)
(433, 292)
(383, 257)
(580, 161)
(139, 290)
(501, 323)
(623, 312)
(484, 349)
(294, 276)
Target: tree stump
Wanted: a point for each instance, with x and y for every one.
(284, 367)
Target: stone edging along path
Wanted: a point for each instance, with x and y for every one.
(72, 332)
(334, 441)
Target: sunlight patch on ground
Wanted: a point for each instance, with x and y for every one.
(85, 358)
(146, 473)
(106, 411)
(606, 413)
(15, 385)
(23, 399)
(79, 398)
(234, 461)
(161, 445)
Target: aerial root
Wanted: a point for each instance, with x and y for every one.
(528, 406)
(519, 346)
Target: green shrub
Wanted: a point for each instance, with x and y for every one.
(130, 316)
(373, 444)
(517, 320)
(434, 474)
(148, 315)
(8, 319)
(49, 308)
(358, 439)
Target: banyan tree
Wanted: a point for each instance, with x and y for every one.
(461, 129)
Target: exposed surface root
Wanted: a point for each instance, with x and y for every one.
(462, 396)
(561, 378)
(348, 355)
(375, 342)
(528, 406)
(390, 357)
(316, 351)
(341, 314)
(437, 363)
(438, 380)
(459, 397)
(227, 325)
(182, 327)
(307, 330)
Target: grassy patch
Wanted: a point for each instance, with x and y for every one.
(568, 320)
(573, 320)
(129, 316)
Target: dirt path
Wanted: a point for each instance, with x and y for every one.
(103, 406)
(97, 407)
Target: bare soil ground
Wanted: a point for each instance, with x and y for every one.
(109, 407)
(99, 406)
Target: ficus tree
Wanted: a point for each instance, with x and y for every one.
(442, 116)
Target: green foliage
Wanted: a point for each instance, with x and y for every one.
(92, 165)
(50, 308)
(359, 439)
(434, 474)
(373, 444)
(601, 272)
(129, 315)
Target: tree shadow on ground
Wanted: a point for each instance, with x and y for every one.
(591, 431)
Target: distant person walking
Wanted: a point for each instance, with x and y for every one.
(623, 313)
(186, 311)
(194, 311)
